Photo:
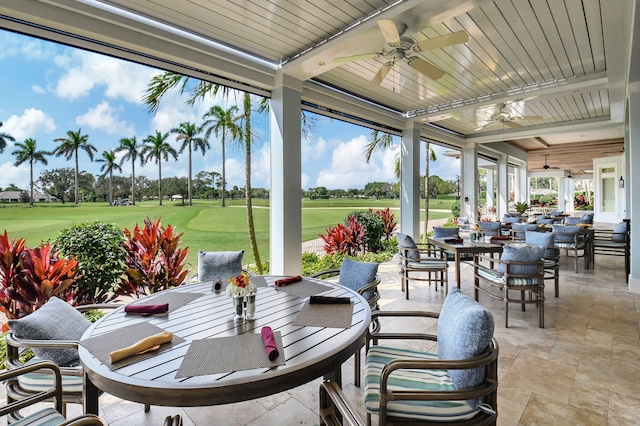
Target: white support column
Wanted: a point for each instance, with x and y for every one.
(570, 194)
(524, 184)
(562, 199)
(490, 188)
(503, 186)
(469, 179)
(633, 181)
(410, 180)
(286, 182)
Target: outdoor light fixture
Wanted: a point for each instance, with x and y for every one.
(621, 182)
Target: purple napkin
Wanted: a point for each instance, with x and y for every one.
(269, 343)
(285, 281)
(145, 310)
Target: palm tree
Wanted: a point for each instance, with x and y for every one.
(157, 148)
(4, 137)
(162, 83)
(109, 165)
(27, 151)
(187, 132)
(131, 151)
(381, 141)
(69, 148)
(222, 122)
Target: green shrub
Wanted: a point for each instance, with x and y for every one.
(98, 247)
(374, 228)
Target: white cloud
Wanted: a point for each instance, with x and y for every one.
(85, 70)
(17, 175)
(38, 89)
(14, 45)
(314, 151)
(261, 167)
(105, 117)
(29, 124)
(349, 170)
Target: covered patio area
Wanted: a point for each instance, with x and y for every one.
(580, 369)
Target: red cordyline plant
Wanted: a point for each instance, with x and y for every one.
(344, 239)
(389, 220)
(30, 277)
(153, 261)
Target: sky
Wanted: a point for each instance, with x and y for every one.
(49, 89)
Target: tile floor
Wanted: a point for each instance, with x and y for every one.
(582, 369)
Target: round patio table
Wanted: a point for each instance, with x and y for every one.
(310, 351)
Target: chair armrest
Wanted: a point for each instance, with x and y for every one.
(55, 391)
(331, 272)
(27, 343)
(375, 335)
(84, 420)
(333, 403)
(373, 285)
(98, 306)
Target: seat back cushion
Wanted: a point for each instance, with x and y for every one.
(541, 239)
(565, 234)
(619, 233)
(520, 228)
(406, 242)
(223, 264)
(55, 320)
(521, 254)
(356, 275)
(442, 232)
(511, 219)
(545, 221)
(465, 329)
(587, 218)
(572, 220)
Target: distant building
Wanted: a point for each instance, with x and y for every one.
(14, 197)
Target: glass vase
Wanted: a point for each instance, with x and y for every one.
(238, 308)
(250, 313)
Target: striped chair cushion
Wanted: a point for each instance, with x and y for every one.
(498, 278)
(36, 382)
(412, 380)
(549, 263)
(564, 245)
(428, 264)
(44, 417)
(608, 244)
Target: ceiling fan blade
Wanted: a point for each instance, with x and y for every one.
(442, 41)
(484, 125)
(527, 117)
(356, 57)
(389, 30)
(511, 124)
(425, 68)
(382, 73)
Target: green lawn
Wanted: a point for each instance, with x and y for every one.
(206, 225)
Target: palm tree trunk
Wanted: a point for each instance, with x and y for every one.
(224, 179)
(133, 183)
(31, 165)
(111, 187)
(77, 188)
(247, 162)
(189, 182)
(159, 181)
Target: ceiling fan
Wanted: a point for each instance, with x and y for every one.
(546, 165)
(402, 49)
(502, 115)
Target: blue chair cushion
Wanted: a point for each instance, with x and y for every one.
(587, 218)
(546, 221)
(566, 234)
(223, 264)
(55, 320)
(441, 232)
(511, 219)
(490, 229)
(541, 239)
(619, 233)
(356, 275)
(44, 417)
(521, 254)
(572, 220)
(465, 329)
(521, 228)
(406, 242)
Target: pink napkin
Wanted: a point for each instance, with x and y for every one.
(147, 309)
(285, 281)
(269, 343)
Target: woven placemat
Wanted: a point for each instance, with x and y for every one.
(258, 281)
(227, 354)
(331, 315)
(101, 346)
(175, 300)
(304, 288)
